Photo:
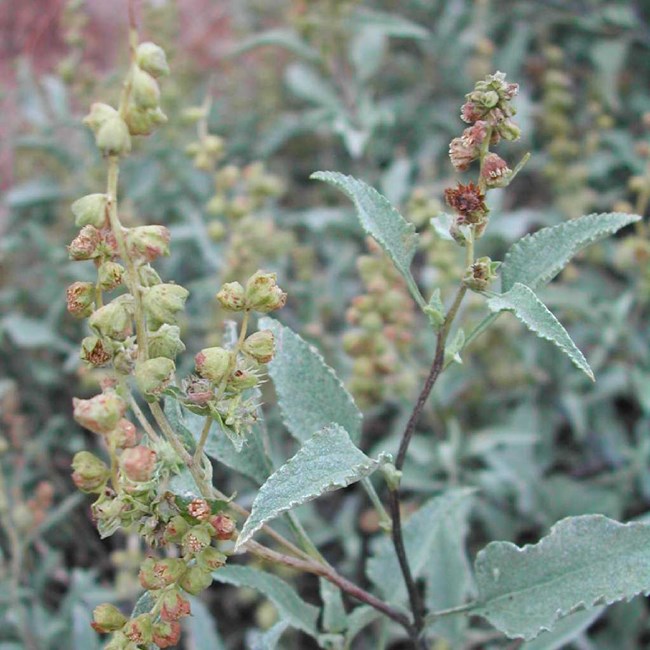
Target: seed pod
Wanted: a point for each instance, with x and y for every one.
(90, 210)
(232, 296)
(95, 351)
(98, 115)
(101, 413)
(80, 298)
(211, 559)
(114, 320)
(147, 242)
(152, 59)
(242, 379)
(107, 618)
(174, 606)
(157, 574)
(480, 274)
(113, 137)
(163, 302)
(154, 375)
(110, 275)
(90, 473)
(175, 529)
(260, 346)
(138, 463)
(213, 363)
(144, 90)
(85, 246)
(263, 294)
(165, 342)
(196, 580)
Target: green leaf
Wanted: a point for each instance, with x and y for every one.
(358, 619)
(334, 617)
(388, 23)
(382, 221)
(532, 312)
(564, 631)
(422, 534)
(268, 640)
(279, 38)
(290, 606)
(536, 259)
(583, 562)
(200, 628)
(143, 605)
(304, 82)
(328, 461)
(310, 394)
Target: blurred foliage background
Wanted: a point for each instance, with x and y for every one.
(366, 87)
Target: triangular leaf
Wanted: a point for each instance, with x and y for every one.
(327, 461)
(536, 259)
(310, 394)
(584, 561)
(382, 221)
(532, 312)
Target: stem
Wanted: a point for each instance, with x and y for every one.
(385, 521)
(203, 439)
(459, 609)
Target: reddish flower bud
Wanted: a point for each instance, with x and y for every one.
(157, 574)
(468, 201)
(95, 352)
(174, 606)
(224, 527)
(166, 634)
(260, 346)
(110, 275)
(196, 539)
(176, 528)
(138, 463)
(101, 413)
(199, 509)
(80, 298)
(90, 473)
(107, 618)
(139, 630)
(148, 242)
(85, 246)
(495, 171)
(125, 434)
(213, 363)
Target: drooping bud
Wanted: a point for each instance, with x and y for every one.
(163, 302)
(213, 363)
(175, 529)
(495, 172)
(152, 59)
(138, 120)
(166, 634)
(232, 296)
(110, 275)
(98, 115)
(113, 137)
(480, 274)
(196, 539)
(199, 509)
(174, 606)
(263, 294)
(148, 276)
(95, 352)
(468, 201)
(224, 527)
(80, 298)
(144, 90)
(107, 618)
(138, 463)
(86, 244)
(157, 574)
(114, 320)
(147, 242)
(260, 346)
(90, 473)
(125, 434)
(90, 210)
(198, 391)
(99, 414)
(211, 559)
(154, 375)
(166, 342)
(196, 580)
(139, 629)
(242, 379)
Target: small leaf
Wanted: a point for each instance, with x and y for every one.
(328, 461)
(143, 605)
(532, 312)
(334, 617)
(310, 394)
(583, 562)
(382, 221)
(536, 259)
(290, 606)
(200, 628)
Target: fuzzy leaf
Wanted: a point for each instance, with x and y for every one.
(291, 607)
(564, 631)
(328, 461)
(200, 628)
(269, 639)
(382, 221)
(583, 562)
(310, 394)
(533, 313)
(536, 259)
(334, 617)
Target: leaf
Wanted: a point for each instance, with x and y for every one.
(304, 82)
(536, 259)
(290, 606)
(421, 535)
(532, 312)
(310, 395)
(358, 619)
(143, 605)
(564, 631)
(388, 23)
(200, 628)
(280, 38)
(267, 640)
(334, 617)
(583, 562)
(382, 221)
(328, 461)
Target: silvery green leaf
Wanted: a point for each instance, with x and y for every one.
(536, 259)
(583, 562)
(564, 631)
(441, 223)
(200, 628)
(390, 24)
(359, 618)
(382, 221)
(291, 607)
(267, 640)
(310, 394)
(143, 605)
(328, 461)
(304, 82)
(286, 38)
(532, 312)
(334, 617)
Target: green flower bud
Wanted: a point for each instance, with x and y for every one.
(213, 145)
(140, 629)
(176, 528)
(216, 231)
(157, 116)
(213, 363)
(508, 130)
(166, 634)
(196, 580)
(165, 342)
(107, 618)
(98, 115)
(85, 246)
(162, 302)
(138, 120)
(152, 59)
(99, 414)
(138, 463)
(242, 379)
(154, 375)
(157, 574)
(232, 296)
(196, 539)
(147, 242)
(260, 346)
(216, 206)
(263, 294)
(114, 320)
(174, 606)
(148, 276)
(480, 274)
(119, 641)
(227, 177)
(192, 114)
(90, 473)
(144, 89)
(95, 351)
(211, 559)
(80, 297)
(113, 137)
(110, 275)
(90, 210)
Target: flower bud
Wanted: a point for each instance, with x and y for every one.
(139, 629)
(101, 413)
(90, 210)
(90, 473)
(80, 298)
(144, 90)
(198, 391)
(176, 528)
(213, 363)
(95, 351)
(263, 294)
(242, 379)
(98, 115)
(211, 559)
(107, 618)
(508, 130)
(119, 641)
(162, 302)
(154, 375)
(495, 171)
(113, 137)
(110, 275)
(85, 246)
(260, 346)
(114, 320)
(138, 120)
(138, 463)
(480, 274)
(232, 296)
(224, 527)
(147, 242)
(196, 580)
(124, 435)
(165, 342)
(166, 634)
(174, 606)
(199, 509)
(148, 276)
(157, 574)
(213, 145)
(152, 59)
(196, 539)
